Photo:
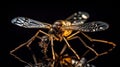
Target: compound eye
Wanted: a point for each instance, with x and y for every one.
(57, 24)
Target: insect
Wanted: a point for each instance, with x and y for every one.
(62, 30)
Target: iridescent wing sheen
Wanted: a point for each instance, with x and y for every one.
(78, 18)
(29, 23)
(89, 27)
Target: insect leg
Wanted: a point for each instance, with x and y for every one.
(26, 43)
(53, 52)
(65, 46)
(103, 41)
(71, 48)
(63, 49)
(58, 60)
(36, 35)
(90, 48)
(72, 35)
(21, 60)
(83, 42)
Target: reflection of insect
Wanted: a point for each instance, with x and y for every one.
(62, 30)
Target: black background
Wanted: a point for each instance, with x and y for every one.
(49, 12)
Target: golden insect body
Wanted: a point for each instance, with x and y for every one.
(66, 32)
(62, 30)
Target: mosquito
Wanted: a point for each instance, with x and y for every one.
(62, 30)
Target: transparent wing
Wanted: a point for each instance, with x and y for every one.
(93, 26)
(29, 23)
(78, 18)
(89, 27)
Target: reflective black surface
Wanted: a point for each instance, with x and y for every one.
(12, 36)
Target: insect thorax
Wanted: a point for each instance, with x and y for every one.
(59, 26)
